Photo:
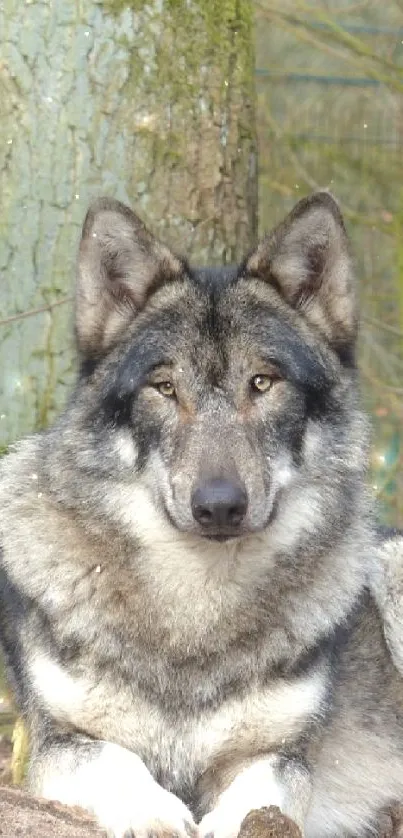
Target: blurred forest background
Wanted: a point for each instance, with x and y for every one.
(329, 77)
(211, 119)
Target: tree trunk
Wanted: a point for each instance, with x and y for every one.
(152, 103)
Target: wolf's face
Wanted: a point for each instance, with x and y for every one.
(217, 409)
(206, 385)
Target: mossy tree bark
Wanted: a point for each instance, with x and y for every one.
(151, 102)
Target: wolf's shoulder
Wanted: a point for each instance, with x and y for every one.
(34, 529)
(19, 470)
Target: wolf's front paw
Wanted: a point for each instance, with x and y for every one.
(255, 787)
(116, 787)
(151, 812)
(221, 823)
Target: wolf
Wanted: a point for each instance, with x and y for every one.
(186, 608)
(386, 583)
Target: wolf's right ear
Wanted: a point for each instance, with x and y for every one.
(307, 260)
(120, 264)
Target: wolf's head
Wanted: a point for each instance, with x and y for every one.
(214, 392)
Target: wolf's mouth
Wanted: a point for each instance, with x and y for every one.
(221, 538)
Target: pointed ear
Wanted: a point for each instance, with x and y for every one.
(119, 265)
(307, 260)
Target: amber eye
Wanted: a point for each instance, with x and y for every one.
(166, 388)
(261, 383)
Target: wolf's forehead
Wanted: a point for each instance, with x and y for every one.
(231, 326)
(217, 314)
(210, 320)
(215, 278)
(211, 316)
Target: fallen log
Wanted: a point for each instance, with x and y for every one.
(24, 816)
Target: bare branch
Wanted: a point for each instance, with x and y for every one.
(34, 311)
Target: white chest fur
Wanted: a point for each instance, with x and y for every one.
(176, 747)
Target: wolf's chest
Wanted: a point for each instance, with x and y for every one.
(176, 745)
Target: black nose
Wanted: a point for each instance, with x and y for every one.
(219, 505)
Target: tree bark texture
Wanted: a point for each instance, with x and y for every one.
(149, 102)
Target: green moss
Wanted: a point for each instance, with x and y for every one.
(191, 66)
(202, 33)
(46, 402)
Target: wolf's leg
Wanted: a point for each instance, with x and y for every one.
(269, 781)
(110, 782)
(387, 586)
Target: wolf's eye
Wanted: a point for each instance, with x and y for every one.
(261, 383)
(166, 388)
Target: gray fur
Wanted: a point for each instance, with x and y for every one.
(230, 667)
(387, 587)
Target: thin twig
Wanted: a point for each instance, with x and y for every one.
(32, 311)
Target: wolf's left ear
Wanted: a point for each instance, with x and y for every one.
(307, 261)
(120, 264)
